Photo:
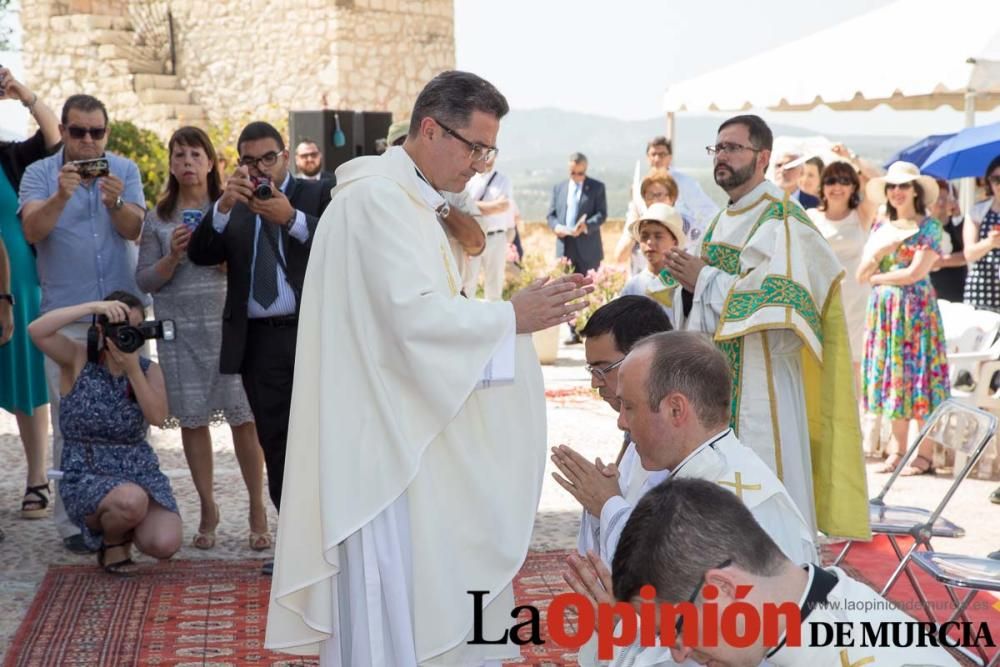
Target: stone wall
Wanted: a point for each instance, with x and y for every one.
(235, 60)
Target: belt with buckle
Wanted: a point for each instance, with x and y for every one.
(278, 321)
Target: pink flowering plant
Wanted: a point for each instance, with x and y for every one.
(608, 284)
(533, 267)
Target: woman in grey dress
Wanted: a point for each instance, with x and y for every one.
(193, 297)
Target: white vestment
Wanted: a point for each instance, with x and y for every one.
(727, 462)
(405, 486)
(866, 607)
(770, 296)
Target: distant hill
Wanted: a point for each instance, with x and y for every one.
(535, 144)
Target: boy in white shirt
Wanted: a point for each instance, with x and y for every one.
(658, 231)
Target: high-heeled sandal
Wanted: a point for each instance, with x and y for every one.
(119, 568)
(205, 539)
(37, 507)
(261, 541)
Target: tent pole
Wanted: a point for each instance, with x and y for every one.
(670, 127)
(967, 187)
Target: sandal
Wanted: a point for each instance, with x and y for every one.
(37, 507)
(891, 463)
(119, 568)
(913, 469)
(261, 541)
(205, 539)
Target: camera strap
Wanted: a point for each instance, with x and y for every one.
(281, 262)
(93, 337)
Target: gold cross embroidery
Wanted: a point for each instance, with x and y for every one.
(739, 486)
(846, 662)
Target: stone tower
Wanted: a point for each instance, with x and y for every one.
(162, 64)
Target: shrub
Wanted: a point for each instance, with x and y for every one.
(147, 151)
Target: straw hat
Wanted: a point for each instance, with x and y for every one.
(902, 172)
(398, 129)
(665, 215)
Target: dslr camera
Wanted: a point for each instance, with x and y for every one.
(262, 187)
(126, 337)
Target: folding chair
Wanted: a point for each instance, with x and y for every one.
(967, 573)
(954, 425)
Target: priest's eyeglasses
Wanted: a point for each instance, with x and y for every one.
(600, 374)
(694, 596)
(479, 153)
(720, 149)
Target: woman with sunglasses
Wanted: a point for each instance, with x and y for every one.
(22, 366)
(904, 371)
(982, 246)
(844, 220)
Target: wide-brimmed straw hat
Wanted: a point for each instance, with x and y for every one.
(665, 215)
(902, 172)
(398, 129)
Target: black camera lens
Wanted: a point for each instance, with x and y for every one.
(263, 191)
(129, 339)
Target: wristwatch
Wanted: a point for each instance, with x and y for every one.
(443, 210)
(7, 297)
(118, 204)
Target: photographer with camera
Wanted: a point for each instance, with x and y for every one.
(81, 208)
(262, 227)
(112, 486)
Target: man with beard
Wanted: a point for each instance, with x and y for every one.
(767, 286)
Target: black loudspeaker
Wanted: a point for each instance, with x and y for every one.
(359, 129)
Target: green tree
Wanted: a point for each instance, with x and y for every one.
(7, 7)
(145, 149)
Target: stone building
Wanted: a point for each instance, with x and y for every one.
(162, 64)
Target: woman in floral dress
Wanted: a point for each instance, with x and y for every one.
(904, 369)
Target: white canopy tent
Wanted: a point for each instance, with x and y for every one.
(912, 54)
(909, 55)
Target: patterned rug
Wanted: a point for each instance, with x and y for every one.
(186, 613)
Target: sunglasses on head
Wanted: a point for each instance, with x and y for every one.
(837, 180)
(96, 133)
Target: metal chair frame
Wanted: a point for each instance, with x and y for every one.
(932, 523)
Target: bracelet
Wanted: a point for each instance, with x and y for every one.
(30, 106)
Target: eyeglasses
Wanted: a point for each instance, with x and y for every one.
(694, 596)
(268, 159)
(311, 155)
(837, 180)
(479, 153)
(899, 186)
(719, 149)
(77, 132)
(602, 373)
(577, 173)
(995, 180)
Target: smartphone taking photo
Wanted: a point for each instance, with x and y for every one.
(95, 168)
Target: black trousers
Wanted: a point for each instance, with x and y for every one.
(268, 367)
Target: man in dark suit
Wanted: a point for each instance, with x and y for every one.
(579, 208)
(264, 241)
(309, 162)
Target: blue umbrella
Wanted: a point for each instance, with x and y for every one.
(966, 154)
(918, 152)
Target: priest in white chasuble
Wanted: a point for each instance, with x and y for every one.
(766, 285)
(417, 433)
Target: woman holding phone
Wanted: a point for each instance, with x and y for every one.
(193, 296)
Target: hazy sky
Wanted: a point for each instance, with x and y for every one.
(615, 57)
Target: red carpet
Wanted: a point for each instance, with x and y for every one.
(875, 562)
(192, 613)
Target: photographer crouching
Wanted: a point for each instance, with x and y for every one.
(112, 486)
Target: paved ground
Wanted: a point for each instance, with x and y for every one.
(575, 418)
